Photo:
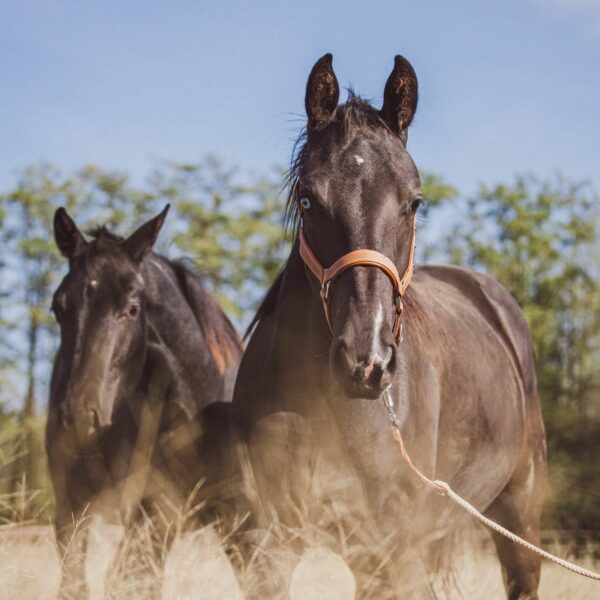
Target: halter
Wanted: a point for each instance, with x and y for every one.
(355, 258)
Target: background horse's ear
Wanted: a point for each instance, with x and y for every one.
(140, 242)
(69, 239)
(322, 92)
(400, 97)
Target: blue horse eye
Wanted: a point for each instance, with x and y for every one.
(305, 203)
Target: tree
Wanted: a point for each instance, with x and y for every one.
(436, 213)
(231, 230)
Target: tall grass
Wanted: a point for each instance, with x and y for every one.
(329, 558)
(199, 566)
(25, 489)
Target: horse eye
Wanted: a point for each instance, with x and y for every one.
(305, 203)
(132, 310)
(416, 203)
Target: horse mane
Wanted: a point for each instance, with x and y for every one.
(357, 114)
(216, 328)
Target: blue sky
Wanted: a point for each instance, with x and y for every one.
(506, 86)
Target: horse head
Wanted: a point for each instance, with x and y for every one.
(100, 308)
(357, 191)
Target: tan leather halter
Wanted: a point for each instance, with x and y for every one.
(355, 258)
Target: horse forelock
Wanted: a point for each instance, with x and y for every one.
(103, 232)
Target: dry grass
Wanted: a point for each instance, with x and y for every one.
(329, 556)
(198, 567)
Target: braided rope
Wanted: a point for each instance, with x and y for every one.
(442, 488)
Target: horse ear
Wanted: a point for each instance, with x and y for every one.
(400, 97)
(69, 239)
(322, 92)
(141, 241)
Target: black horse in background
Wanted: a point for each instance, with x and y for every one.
(139, 394)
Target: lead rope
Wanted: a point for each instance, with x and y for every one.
(442, 488)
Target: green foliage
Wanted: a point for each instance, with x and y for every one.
(25, 493)
(232, 231)
(435, 190)
(433, 216)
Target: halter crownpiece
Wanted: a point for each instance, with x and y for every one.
(355, 258)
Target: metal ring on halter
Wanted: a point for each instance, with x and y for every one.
(399, 304)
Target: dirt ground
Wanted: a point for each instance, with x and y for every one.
(197, 567)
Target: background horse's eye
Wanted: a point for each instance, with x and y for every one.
(305, 203)
(133, 310)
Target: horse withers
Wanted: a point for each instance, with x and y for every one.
(142, 381)
(339, 328)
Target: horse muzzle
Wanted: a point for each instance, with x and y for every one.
(88, 424)
(363, 377)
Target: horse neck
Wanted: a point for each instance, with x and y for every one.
(298, 310)
(178, 327)
(300, 335)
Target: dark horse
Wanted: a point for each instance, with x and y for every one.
(139, 391)
(461, 375)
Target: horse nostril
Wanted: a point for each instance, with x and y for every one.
(361, 375)
(377, 371)
(374, 365)
(358, 373)
(386, 360)
(368, 370)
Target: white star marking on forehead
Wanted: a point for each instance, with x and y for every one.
(359, 159)
(94, 283)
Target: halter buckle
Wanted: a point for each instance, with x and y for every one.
(399, 304)
(325, 290)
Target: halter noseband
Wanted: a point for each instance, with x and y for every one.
(355, 258)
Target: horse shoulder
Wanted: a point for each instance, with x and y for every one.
(498, 307)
